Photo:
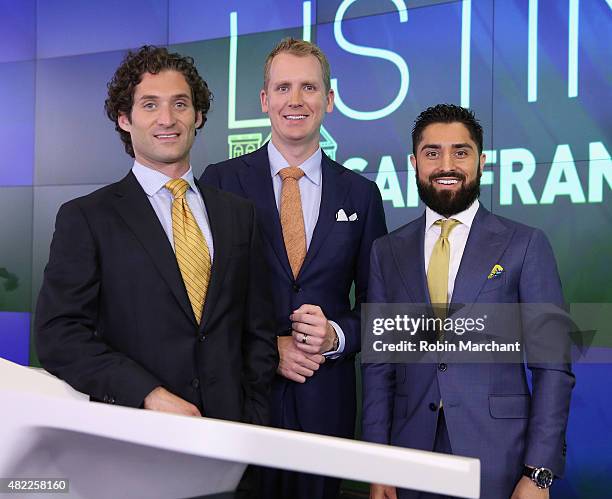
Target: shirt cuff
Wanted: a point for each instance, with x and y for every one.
(334, 354)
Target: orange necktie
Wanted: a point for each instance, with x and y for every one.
(292, 218)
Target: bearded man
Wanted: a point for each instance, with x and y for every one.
(457, 252)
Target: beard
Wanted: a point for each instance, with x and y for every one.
(445, 202)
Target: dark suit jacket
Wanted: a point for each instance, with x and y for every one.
(490, 412)
(114, 320)
(338, 255)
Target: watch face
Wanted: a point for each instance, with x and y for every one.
(543, 478)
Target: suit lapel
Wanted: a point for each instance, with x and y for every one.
(486, 243)
(333, 193)
(219, 217)
(408, 255)
(256, 182)
(136, 210)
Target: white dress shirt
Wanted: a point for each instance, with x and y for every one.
(310, 186)
(457, 239)
(153, 183)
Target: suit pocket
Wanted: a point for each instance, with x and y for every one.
(493, 284)
(509, 406)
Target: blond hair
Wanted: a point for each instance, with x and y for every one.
(300, 48)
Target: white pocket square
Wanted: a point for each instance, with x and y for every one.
(341, 216)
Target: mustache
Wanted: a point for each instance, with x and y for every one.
(449, 174)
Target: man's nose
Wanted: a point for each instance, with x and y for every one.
(446, 161)
(295, 97)
(165, 116)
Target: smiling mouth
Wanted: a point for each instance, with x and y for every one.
(166, 136)
(295, 117)
(447, 181)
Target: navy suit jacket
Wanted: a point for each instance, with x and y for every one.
(490, 412)
(338, 255)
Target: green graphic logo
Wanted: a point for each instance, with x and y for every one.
(245, 143)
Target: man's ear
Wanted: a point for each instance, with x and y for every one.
(264, 101)
(124, 123)
(198, 121)
(329, 101)
(413, 162)
(483, 160)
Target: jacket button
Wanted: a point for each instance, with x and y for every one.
(111, 400)
(296, 288)
(195, 383)
(201, 337)
(442, 367)
(433, 407)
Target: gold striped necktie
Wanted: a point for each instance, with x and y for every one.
(190, 247)
(437, 272)
(292, 218)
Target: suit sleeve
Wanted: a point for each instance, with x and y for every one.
(259, 349)
(67, 340)
(211, 177)
(378, 380)
(375, 226)
(547, 332)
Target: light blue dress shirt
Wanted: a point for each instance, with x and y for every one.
(310, 186)
(153, 183)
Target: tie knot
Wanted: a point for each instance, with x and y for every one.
(178, 187)
(446, 226)
(291, 172)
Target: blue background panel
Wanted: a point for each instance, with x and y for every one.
(17, 100)
(69, 27)
(191, 20)
(432, 54)
(589, 438)
(75, 141)
(554, 118)
(18, 30)
(327, 10)
(15, 337)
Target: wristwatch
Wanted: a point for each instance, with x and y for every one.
(336, 341)
(542, 477)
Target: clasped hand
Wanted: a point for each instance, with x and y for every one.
(311, 336)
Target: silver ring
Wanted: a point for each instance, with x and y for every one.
(304, 338)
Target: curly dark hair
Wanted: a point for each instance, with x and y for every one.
(447, 113)
(150, 59)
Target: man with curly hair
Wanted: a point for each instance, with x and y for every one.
(154, 295)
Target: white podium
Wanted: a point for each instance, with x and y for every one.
(48, 430)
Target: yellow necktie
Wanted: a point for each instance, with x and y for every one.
(190, 247)
(437, 272)
(292, 218)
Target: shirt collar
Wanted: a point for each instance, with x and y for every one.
(153, 180)
(466, 217)
(311, 167)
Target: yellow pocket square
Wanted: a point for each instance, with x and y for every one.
(495, 271)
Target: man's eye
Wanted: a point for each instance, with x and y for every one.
(431, 154)
(149, 105)
(283, 88)
(461, 154)
(309, 87)
(181, 105)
